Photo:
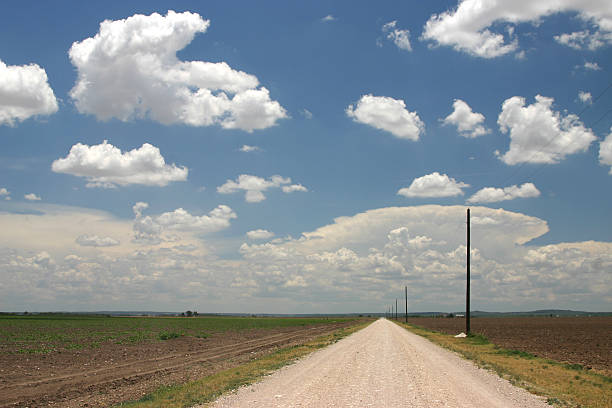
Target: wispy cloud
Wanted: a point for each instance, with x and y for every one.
(249, 149)
(401, 38)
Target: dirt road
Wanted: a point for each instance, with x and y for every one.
(382, 365)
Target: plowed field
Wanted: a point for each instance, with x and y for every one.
(99, 362)
(576, 340)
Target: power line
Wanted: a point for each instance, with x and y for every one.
(596, 98)
(600, 119)
(541, 166)
(524, 163)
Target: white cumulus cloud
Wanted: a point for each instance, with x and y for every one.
(585, 39)
(129, 69)
(96, 241)
(469, 124)
(388, 114)
(540, 135)
(255, 186)
(259, 234)
(150, 229)
(249, 149)
(104, 165)
(293, 188)
(179, 219)
(433, 185)
(401, 38)
(5, 193)
(32, 197)
(492, 194)
(306, 113)
(605, 151)
(585, 97)
(24, 92)
(592, 66)
(470, 26)
(399, 239)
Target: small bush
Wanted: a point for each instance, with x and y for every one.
(578, 367)
(169, 335)
(516, 353)
(477, 338)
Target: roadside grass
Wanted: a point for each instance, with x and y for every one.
(564, 385)
(209, 388)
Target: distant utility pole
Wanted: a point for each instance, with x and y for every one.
(406, 294)
(467, 295)
(395, 308)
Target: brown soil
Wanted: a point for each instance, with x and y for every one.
(114, 373)
(576, 340)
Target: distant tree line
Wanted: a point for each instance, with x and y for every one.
(189, 313)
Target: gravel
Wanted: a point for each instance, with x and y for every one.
(382, 365)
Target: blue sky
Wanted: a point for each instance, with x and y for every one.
(304, 157)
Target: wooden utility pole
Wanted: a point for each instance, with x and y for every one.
(395, 308)
(406, 294)
(467, 295)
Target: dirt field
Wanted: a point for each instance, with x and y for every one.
(119, 371)
(576, 340)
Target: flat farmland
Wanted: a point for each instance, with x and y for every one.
(75, 361)
(576, 340)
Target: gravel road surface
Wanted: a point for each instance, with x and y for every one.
(382, 365)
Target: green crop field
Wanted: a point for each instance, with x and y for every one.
(42, 334)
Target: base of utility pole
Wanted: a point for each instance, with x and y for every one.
(406, 294)
(467, 294)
